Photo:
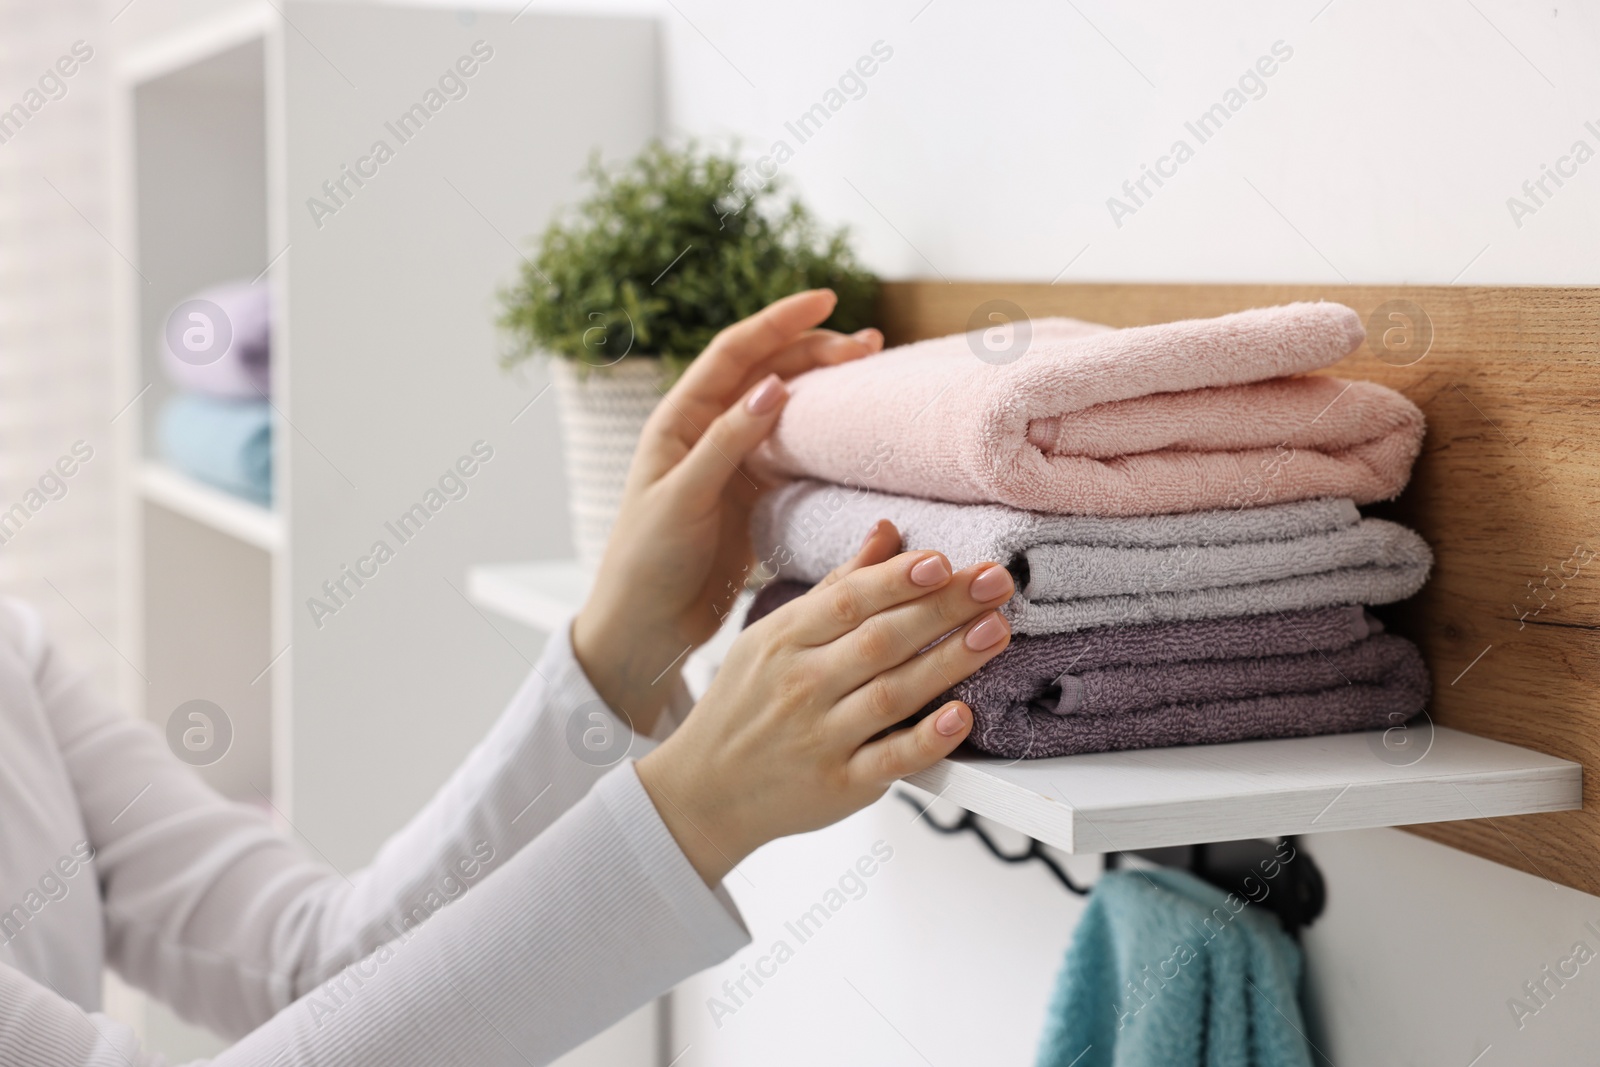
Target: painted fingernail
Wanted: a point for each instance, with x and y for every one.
(767, 396)
(950, 720)
(990, 631)
(993, 582)
(930, 571)
(867, 540)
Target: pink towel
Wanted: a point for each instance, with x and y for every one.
(1184, 416)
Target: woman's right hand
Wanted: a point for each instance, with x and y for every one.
(787, 737)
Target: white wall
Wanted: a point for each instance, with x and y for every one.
(55, 336)
(988, 145)
(1383, 150)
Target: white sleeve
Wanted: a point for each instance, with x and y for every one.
(571, 920)
(597, 916)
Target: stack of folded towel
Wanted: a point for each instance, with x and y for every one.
(217, 428)
(1178, 507)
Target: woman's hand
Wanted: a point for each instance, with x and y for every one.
(680, 548)
(787, 738)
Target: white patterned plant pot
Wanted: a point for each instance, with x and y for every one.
(603, 411)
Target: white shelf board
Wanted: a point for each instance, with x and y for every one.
(211, 507)
(194, 43)
(541, 595)
(545, 594)
(1148, 798)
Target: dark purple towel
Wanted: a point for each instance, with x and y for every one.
(1295, 673)
(1037, 735)
(1388, 684)
(1115, 690)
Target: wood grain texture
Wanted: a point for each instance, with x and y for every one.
(1507, 492)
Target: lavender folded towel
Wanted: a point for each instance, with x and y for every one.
(1177, 683)
(1080, 572)
(217, 342)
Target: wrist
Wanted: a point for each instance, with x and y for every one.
(711, 847)
(635, 677)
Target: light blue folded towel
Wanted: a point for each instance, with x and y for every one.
(224, 443)
(1166, 970)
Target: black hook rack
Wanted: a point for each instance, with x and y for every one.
(1296, 893)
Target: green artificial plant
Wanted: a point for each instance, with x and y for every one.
(668, 249)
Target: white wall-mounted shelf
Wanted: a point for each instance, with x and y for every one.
(1148, 798)
(541, 594)
(176, 491)
(546, 593)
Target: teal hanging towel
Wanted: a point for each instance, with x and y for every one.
(1166, 970)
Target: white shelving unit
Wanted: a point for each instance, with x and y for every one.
(230, 126)
(1148, 798)
(385, 371)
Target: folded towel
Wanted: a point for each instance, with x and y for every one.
(1165, 970)
(1180, 683)
(1374, 684)
(1026, 670)
(1090, 420)
(1129, 688)
(1079, 572)
(225, 443)
(225, 352)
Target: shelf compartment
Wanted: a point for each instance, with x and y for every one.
(224, 512)
(207, 624)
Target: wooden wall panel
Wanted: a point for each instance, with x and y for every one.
(1507, 491)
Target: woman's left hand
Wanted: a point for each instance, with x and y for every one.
(680, 548)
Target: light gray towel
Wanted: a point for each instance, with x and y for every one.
(1076, 572)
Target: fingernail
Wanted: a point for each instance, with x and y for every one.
(990, 631)
(950, 721)
(930, 571)
(869, 337)
(867, 540)
(767, 396)
(993, 582)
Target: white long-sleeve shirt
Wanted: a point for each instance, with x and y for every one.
(532, 902)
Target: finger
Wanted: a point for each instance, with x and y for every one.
(899, 632)
(691, 405)
(721, 450)
(827, 614)
(718, 596)
(893, 695)
(696, 400)
(819, 348)
(881, 544)
(915, 748)
(733, 351)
